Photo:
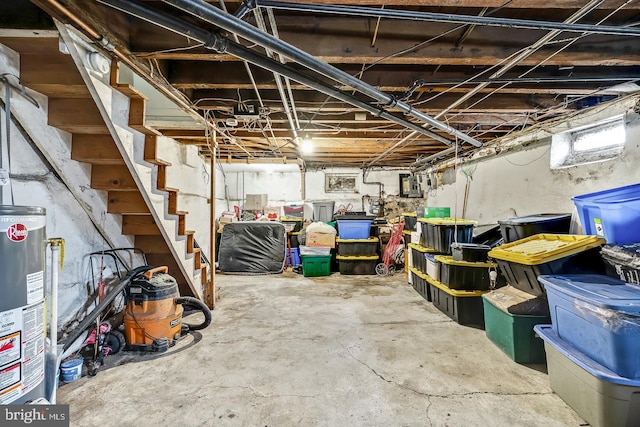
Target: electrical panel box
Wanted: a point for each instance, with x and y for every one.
(246, 111)
(409, 186)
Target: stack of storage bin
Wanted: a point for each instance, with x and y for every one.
(592, 347)
(357, 250)
(417, 259)
(292, 225)
(358, 256)
(521, 262)
(456, 286)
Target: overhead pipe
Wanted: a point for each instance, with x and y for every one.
(245, 7)
(274, 30)
(220, 44)
(515, 59)
(278, 79)
(252, 79)
(452, 18)
(215, 16)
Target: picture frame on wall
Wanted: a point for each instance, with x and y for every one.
(340, 183)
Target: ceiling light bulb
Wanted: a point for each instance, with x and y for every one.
(306, 146)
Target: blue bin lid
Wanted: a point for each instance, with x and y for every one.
(598, 290)
(628, 193)
(579, 358)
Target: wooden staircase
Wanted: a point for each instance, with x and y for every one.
(71, 108)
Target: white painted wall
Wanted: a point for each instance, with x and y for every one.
(35, 183)
(284, 185)
(521, 183)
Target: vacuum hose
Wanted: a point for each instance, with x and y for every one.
(190, 303)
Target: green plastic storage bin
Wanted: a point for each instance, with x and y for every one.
(316, 265)
(514, 334)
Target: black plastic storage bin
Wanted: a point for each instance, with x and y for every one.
(470, 252)
(464, 307)
(517, 228)
(439, 233)
(347, 247)
(462, 275)
(488, 234)
(410, 220)
(291, 224)
(294, 238)
(360, 265)
(623, 262)
(420, 283)
(418, 259)
(521, 262)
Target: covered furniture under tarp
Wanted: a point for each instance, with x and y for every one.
(255, 247)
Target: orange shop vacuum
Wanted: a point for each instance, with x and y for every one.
(154, 310)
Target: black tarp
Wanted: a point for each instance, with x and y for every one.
(253, 247)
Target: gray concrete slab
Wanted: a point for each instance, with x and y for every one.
(334, 351)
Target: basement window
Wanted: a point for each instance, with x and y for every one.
(588, 144)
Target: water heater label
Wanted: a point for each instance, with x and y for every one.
(21, 351)
(35, 287)
(17, 232)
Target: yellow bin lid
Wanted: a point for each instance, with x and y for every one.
(542, 248)
(357, 258)
(421, 248)
(448, 259)
(419, 273)
(454, 292)
(409, 214)
(369, 240)
(290, 218)
(447, 221)
(406, 232)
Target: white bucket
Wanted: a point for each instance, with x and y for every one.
(71, 370)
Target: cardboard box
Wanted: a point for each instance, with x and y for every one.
(255, 202)
(321, 239)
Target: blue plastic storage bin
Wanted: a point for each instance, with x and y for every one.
(600, 316)
(294, 258)
(354, 228)
(613, 214)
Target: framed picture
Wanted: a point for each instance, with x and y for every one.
(340, 183)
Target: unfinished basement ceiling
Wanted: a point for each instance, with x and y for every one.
(434, 84)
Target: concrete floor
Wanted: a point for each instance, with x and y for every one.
(353, 350)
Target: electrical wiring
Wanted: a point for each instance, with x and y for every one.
(506, 158)
(175, 49)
